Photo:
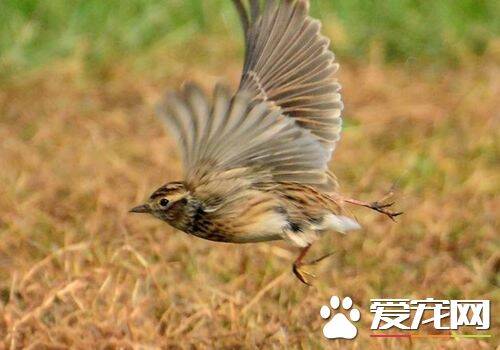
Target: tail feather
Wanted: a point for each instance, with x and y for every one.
(342, 224)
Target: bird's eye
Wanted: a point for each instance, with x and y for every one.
(163, 202)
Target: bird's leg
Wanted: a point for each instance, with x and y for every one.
(378, 206)
(315, 261)
(298, 263)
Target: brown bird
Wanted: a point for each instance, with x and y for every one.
(257, 161)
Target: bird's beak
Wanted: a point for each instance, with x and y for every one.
(144, 208)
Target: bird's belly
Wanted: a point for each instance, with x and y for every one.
(237, 237)
(267, 227)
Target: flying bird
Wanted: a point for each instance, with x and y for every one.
(256, 162)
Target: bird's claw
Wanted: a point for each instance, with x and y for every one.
(382, 208)
(315, 261)
(301, 274)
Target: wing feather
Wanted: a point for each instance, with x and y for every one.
(285, 119)
(288, 62)
(236, 133)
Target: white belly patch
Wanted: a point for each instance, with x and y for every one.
(331, 222)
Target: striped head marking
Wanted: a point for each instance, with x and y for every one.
(166, 202)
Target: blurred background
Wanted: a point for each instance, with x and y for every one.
(100, 32)
(80, 145)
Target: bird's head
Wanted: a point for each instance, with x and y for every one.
(167, 203)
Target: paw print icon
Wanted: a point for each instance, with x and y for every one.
(340, 326)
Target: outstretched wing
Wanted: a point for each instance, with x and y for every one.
(288, 63)
(284, 121)
(233, 137)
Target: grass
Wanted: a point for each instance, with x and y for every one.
(34, 32)
(80, 145)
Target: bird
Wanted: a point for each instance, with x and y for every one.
(256, 161)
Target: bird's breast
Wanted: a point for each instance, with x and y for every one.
(257, 219)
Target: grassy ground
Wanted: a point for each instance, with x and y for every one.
(33, 32)
(80, 146)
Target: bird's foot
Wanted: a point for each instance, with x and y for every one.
(301, 274)
(382, 208)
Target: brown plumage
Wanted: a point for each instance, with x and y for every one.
(257, 161)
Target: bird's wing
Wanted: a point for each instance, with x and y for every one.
(288, 63)
(284, 121)
(233, 138)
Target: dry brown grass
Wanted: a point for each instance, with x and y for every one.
(77, 271)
